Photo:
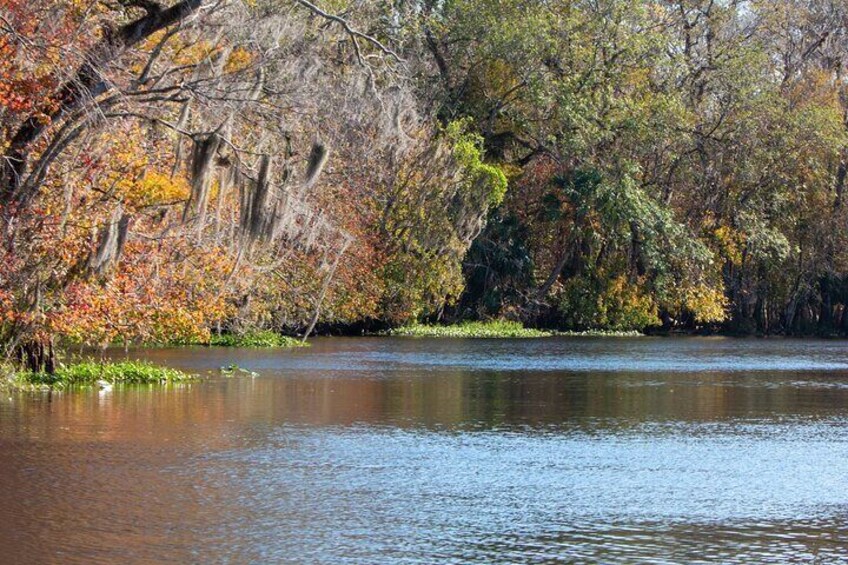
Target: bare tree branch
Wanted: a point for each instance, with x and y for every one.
(351, 31)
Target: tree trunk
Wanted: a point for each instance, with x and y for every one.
(37, 356)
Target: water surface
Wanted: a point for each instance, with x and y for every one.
(392, 450)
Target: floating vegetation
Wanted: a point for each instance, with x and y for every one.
(601, 333)
(103, 374)
(496, 329)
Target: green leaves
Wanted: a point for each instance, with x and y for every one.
(92, 372)
(477, 177)
(255, 339)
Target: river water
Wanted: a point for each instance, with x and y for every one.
(391, 450)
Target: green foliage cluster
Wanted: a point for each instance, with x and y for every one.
(597, 302)
(264, 338)
(435, 210)
(477, 176)
(92, 372)
(492, 329)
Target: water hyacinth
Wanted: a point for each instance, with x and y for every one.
(601, 333)
(494, 329)
(87, 373)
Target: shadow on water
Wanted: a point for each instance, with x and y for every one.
(449, 451)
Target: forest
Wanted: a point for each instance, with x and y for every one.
(175, 170)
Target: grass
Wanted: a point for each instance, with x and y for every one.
(86, 373)
(256, 339)
(495, 329)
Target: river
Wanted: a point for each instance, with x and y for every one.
(393, 450)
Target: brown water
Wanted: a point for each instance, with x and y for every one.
(378, 450)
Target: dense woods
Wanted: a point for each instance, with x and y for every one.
(172, 169)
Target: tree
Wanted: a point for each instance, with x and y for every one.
(167, 164)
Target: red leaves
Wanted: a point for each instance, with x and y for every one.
(35, 53)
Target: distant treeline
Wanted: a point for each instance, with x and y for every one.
(676, 165)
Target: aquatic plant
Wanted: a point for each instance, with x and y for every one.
(493, 329)
(601, 333)
(97, 373)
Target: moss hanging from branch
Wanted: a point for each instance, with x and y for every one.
(182, 122)
(201, 177)
(111, 242)
(317, 159)
(259, 223)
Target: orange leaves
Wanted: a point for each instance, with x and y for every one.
(149, 299)
(20, 95)
(238, 60)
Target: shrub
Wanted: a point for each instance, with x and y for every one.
(256, 339)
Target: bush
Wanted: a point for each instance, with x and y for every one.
(255, 339)
(601, 303)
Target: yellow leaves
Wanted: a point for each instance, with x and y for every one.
(607, 301)
(730, 244)
(131, 174)
(707, 303)
(511, 171)
(637, 77)
(152, 40)
(155, 188)
(500, 76)
(194, 53)
(624, 304)
(184, 51)
(177, 324)
(238, 60)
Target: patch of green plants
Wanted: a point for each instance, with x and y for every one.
(100, 373)
(256, 339)
(601, 333)
(264, 338)
(493, 329)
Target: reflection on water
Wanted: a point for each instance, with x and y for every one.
(443, 451)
